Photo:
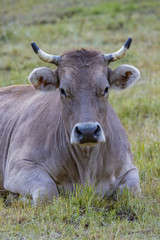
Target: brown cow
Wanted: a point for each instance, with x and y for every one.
(66, 132)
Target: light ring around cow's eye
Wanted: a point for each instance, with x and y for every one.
(63, 93)
(106, 91)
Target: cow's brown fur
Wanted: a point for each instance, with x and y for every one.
(35, 151)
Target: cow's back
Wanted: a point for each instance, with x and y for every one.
(12, 101)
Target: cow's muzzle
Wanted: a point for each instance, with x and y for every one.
(87, 133)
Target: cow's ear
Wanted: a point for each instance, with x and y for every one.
(44, 79)
(123, 77)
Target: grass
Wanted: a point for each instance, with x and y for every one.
(82, 215)
(60, 25)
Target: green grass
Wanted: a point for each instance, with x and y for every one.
(82, 215)
(104, 25)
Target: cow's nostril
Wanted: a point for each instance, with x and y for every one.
(97, 132)
(79, 133)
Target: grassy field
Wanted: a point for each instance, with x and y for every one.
(103, 25)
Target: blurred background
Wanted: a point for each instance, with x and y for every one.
(60, 25)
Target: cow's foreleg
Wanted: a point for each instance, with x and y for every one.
(130, 180)
(34, 182)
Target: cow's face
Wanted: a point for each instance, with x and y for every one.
(84, 81)
(84, 90)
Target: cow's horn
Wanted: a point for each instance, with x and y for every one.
(45, 56)
(120, 53)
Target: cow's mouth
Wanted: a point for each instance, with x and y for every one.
(87, 134)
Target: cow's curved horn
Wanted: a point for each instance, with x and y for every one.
(45, 56)
(111, 57)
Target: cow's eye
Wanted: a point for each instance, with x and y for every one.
(105, 91)
(63, 93)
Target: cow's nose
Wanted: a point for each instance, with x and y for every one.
(88, 132)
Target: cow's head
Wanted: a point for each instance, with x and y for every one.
(84, 81)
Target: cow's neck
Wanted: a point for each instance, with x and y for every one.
(83, 159)
(86, 161)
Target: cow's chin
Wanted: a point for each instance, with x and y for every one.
(76, 142)
(85, 144)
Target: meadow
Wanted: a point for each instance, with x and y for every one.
(57, 26)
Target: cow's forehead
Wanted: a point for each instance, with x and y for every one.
(82, 58)
(82, 64)
(73, 80)
(88, 74)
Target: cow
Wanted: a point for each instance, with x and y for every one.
(61, 130)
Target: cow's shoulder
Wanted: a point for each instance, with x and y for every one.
(115, 124)
(117, 140)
